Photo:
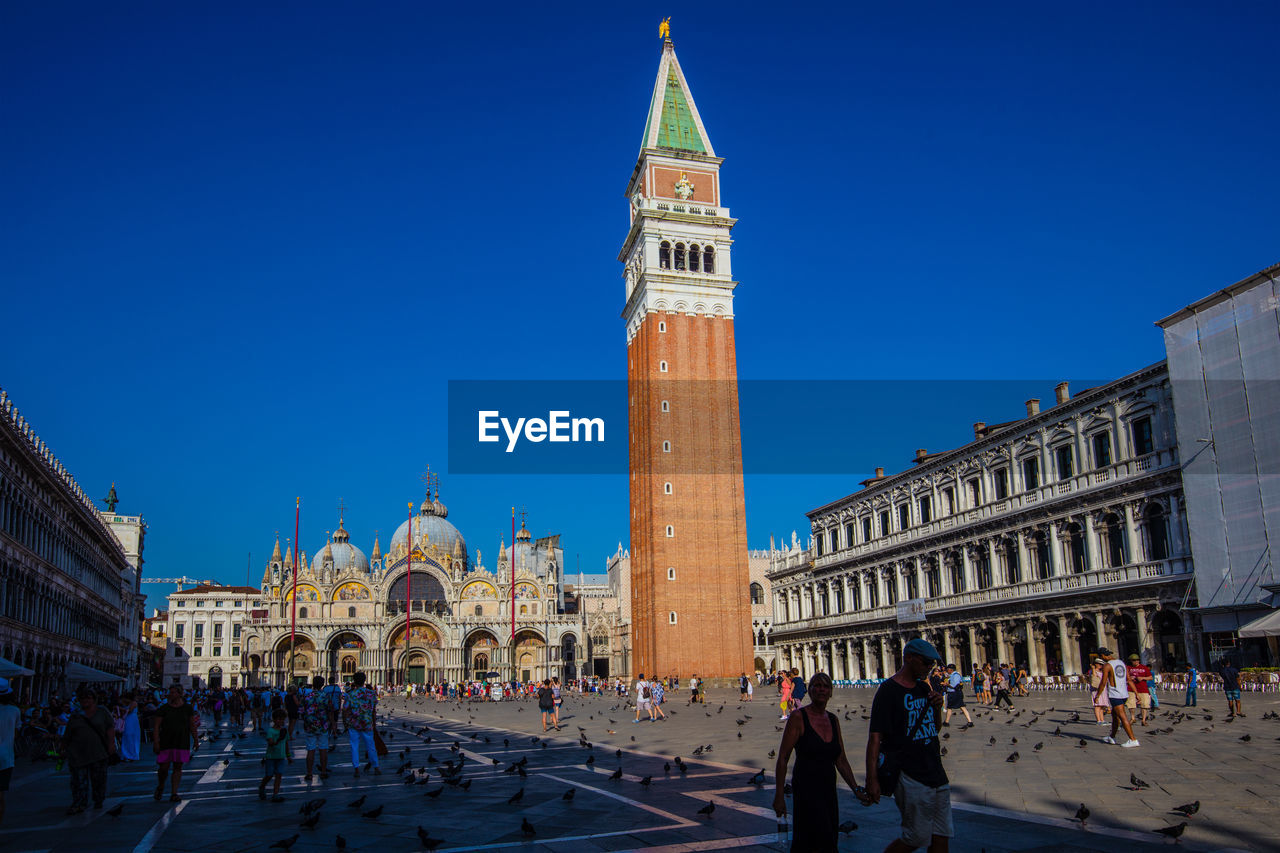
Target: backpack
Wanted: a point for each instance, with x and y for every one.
(644, 690)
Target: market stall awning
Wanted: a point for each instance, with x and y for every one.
(80, 672)
(9, 669)
(1263, 626)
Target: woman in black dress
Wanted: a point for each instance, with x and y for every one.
(814, 734)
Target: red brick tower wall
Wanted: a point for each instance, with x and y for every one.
(710, 594)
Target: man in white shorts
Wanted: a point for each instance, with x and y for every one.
(642, 699)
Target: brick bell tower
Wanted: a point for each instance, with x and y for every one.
(690, 596)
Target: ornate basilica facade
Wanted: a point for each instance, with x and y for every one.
(448, 620)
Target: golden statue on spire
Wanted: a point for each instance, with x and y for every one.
(664, 29)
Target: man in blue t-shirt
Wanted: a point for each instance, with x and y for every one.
(1192, 677)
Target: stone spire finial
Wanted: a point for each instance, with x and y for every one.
(275, 554)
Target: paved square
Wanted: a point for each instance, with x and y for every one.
(1000, 806)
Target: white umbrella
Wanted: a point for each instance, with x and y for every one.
(9, 669)
(80, 672)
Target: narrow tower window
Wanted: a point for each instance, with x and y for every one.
(666, 488)
(680, 256)
(662, 325)
(666, 406)
(662, 367)
(664, 255)
(671, 573)
(693, 258)
(671, 532)
(666, 447)
(709, 260)
(671, 617)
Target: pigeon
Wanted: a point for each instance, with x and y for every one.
(286, 843)
(340, 843)
(373, 814)
(1083, 744)
(1013, 758)
(358, 803)
(757, 779)
(1038, 746)
(847, 827)
(1136, 782)
(526, 828)
(1057, 732)
(1082, 814)
(310, 823)
(516, 797)
(1247, 738)
(1172, 831)
(115, 812)
(666, 767)
(466, 786)
(567, 796)
(646, 781)
(708, 810)
(773, 753)
(436, 793)
(698, 751)
(311, 806)
(428, 843)
(1188, 809)
(991, 742)
(591, 759)
(616, 775)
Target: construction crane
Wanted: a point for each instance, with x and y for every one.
(181, 582)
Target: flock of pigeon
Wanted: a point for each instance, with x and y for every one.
(449, 772)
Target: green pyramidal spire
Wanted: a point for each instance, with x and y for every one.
(673, 121)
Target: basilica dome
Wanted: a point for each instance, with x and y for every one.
(345, 555)
(439, 533)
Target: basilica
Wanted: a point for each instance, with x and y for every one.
(425, 610)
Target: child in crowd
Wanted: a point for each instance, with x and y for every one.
(279, 751)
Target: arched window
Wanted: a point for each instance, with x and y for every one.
(479, 610)
(757, 593)
(1157, 529)
(709, 260)
(662, 325)
(671, 573)
(302, 613)
(662, 367)
(671, 532)
(666, 488)
(956, 569)
(664, 255)
(680, 255)
(351, 613)
(693, 258)
(524, 610)
(1009, 556)
(984, 570)
(428, 594)
(1075, 548)
(348, 666)
(1113, 540)
(666, 447)
(1041, 544)
(666, 406)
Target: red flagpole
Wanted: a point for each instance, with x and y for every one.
(408, 596)
(293, 618)
(513, 588)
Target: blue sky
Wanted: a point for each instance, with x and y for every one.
(244, 249)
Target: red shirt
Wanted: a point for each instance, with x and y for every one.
(1140, 674)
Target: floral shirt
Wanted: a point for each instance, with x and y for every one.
(359, 708)
(315, 712)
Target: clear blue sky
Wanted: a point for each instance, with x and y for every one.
(244, 248)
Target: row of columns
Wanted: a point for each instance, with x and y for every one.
(870, 657)
(886, 585)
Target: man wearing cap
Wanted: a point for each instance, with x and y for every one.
(1115, 686)
(955, 694)
(1140, 697)
(904, 724)
(9, 716)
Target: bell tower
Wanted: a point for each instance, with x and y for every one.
(690, 597)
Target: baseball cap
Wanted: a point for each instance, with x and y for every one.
(922, 647)
(1134, 657)
(1104, 651)
(5, 689)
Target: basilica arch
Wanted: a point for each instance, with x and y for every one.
(481, 653)
(432, 591)
(529, 654)
(294, 662)
(423, 661)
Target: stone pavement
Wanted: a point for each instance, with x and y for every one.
(999, 806)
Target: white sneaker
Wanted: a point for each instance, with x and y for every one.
(1130, 744)
(1109, 739)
